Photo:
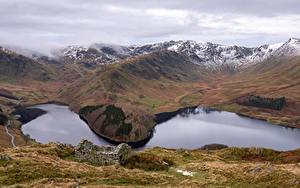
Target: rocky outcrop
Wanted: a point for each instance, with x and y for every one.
(3, 119)
(102, 155)
(118, 125)
(4, 157)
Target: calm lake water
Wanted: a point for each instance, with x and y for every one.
(182, 131)
(60, 124)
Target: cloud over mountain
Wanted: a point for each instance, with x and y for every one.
(43, 25)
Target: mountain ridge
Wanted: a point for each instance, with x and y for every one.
(213, 56)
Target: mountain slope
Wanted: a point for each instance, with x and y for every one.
(289, 48)
(214, 57)
(14, 66)
(273, 78)
(151, 80)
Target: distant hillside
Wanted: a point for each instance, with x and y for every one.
(275, 77)
(153, 80)
(16, 67)
(162, 65)
(215, 57)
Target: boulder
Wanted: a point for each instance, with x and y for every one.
(102, 155)
(4, 157)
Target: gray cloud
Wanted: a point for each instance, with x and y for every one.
(43, 25)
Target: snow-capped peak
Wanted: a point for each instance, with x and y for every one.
(5, 50)
(294, 41)
(206, 53)
(289, 48)
(74, 51)
(275, 46)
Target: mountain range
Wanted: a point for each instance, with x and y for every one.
(159, 77)
(213, 56)
(119, 90)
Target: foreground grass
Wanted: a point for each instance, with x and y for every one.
(55, 165)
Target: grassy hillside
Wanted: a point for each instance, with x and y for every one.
(165, 81)
(14, 67)
(153, 81)
(111, 122)
(26, 81)
(55, 166)
(273, 78)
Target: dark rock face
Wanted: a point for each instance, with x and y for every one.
(102, 155)
(17, 67)
(3, 119)
(116, 125)
(28, 114)
(213, 147)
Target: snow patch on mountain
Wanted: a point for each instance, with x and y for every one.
(5, 50)
(290, 48)
(74, 52)
(213, 56)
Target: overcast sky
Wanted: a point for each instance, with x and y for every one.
(43, 25)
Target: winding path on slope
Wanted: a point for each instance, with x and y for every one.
(10, 135)
(8, 124)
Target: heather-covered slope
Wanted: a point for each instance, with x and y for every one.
(54, 165)
(273, 78)
(14, 67)
(115, 124)
(164, 81)
(151, 80)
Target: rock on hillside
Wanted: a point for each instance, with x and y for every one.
(102, 155)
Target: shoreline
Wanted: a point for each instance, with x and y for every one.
(158, 118)
(135, 144)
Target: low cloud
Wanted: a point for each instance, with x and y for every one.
(43, 25)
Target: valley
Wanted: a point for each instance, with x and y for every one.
(118, 99)
(151, 93)
(163, 78)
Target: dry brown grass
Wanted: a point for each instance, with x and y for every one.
(40, 165)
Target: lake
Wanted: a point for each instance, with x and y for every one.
(187, 130)
(60, 124)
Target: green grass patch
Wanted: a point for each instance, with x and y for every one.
(27, 171)
(151, 102)
(228, 107)
(255, 154)
(148, 162)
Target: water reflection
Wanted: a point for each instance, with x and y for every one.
(191, 128)
(195, 127)
(60, 125)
